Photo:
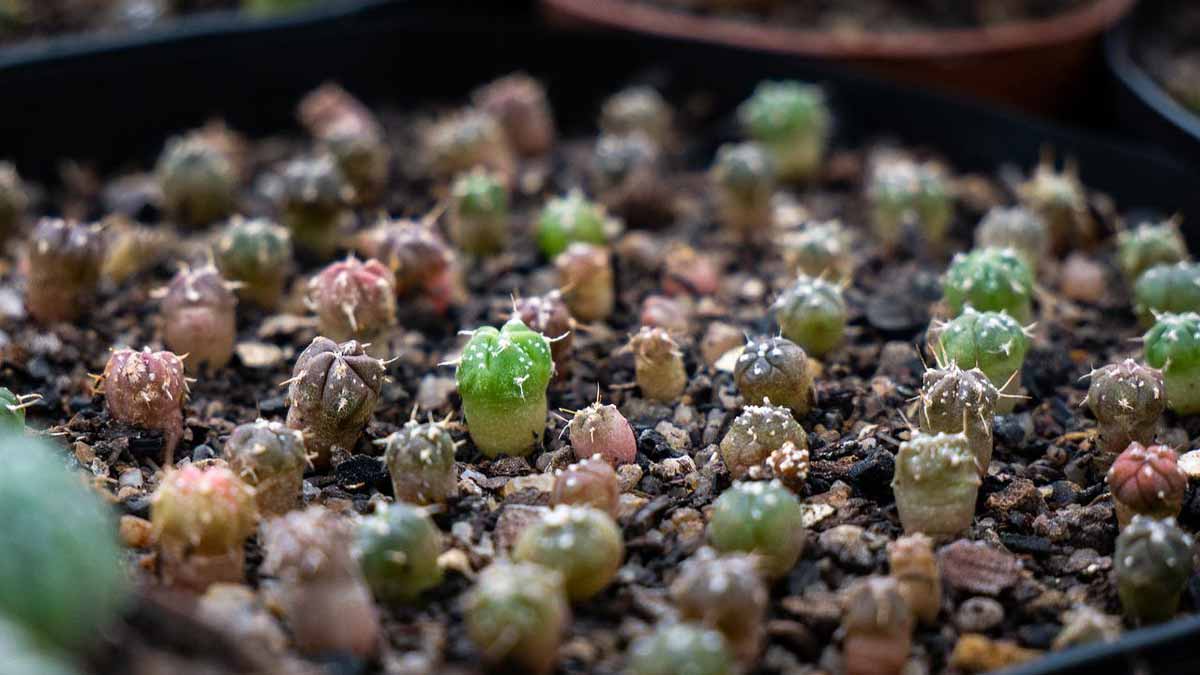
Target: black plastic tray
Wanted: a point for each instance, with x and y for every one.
(114, 105)
(1143, 107)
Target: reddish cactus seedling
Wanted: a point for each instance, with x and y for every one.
(147, 389)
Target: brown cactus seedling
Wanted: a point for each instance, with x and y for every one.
(878, 625)
(199, 317)
(352, 136)
(465, 139)
(271, 458)
(309, 553)
(1127, 399)
(424, 266)
(548, 314)
(585, 274)
(724, 592)
(658, 364)
(755, 434)
(519, 103)
(332, 394)
(590, 482)
(671, 315)
(63, 261)
(914, 566)
(353, 300)
(1147, 481)
(147, 389)
(688, 272)
(955, 400)
(420, 460)
(1060, 199)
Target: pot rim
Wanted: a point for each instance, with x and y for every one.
(1074, 25)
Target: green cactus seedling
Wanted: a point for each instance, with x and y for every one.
(1165, 289)
(516, 615)
(907, 197)
(993, 342)
(1173, 346)
(821, 249)
(1016, 228)
(681, 648)
(257, 253)
(743, 175)
(936, 481)
(573, 218)
(639, 109)
(12, 410)
(198, 181)
(990, 280)
(420, 459)
(1127, 399)
(812, 313)
(1150, 245)
(502, 378)
(760, 518)
(1153, 562)
(479, 219)
(60, 575)
(792, 120)
(270, 457)
(580, 542)
(398, 548)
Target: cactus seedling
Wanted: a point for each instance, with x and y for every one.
(580, 542)
(462, 141)
(589, 482)
(1127, 399)
(478, 215)
(425, 267)
(1153, 561)
(909, 197)
(1167, 288)
(993, 342)
(23, 655)
(792, 121)
(585, 274)
(502, 377)
(681, 648)
(353, 299)
(724, 593)
(743, 176)
(915, 569)
(198, 317)
(201, 519)
(879, 625)
(352, 136)
(659, 311)
(331, 396)
(639, 109)
(1017, 228)
(820, 250)
(688, 272)
(147, 389)
(519, 103)
(755, 434)
(990, 280)
(516, 615)
(1147, 481)
(309, 552)
(954, 400)
(420, 459)
(936, 482)
(12, 410)
(1173, 346)
(775, 369)
(398, 548)
(627, 174)
(570, 219)
(257, 254)
(1150, 245)
(812, 313)
(601, 430)
(313, 200)
(199, 182)
(1061, 201)
(548, 315)
(13, 200)
(760, 518)
(63, 259)
(271, 458)
(60, 575)
(658, 364)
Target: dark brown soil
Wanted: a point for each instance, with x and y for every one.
(1040, 505)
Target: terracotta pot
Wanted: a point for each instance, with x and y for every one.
(1037, 65)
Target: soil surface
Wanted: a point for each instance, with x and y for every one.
(880, 15)
(1041, 509)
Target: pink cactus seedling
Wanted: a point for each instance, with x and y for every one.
(201, 518)
(519, 103)
(199, 316)
(589, 482)
(1147, 481)
(353, 300)
(147, 389)
(585, 274)
(425, 268)
(548, 314)
(601, 430)
(352, 135)
(332, 394)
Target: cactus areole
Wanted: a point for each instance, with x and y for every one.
(502, 378)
